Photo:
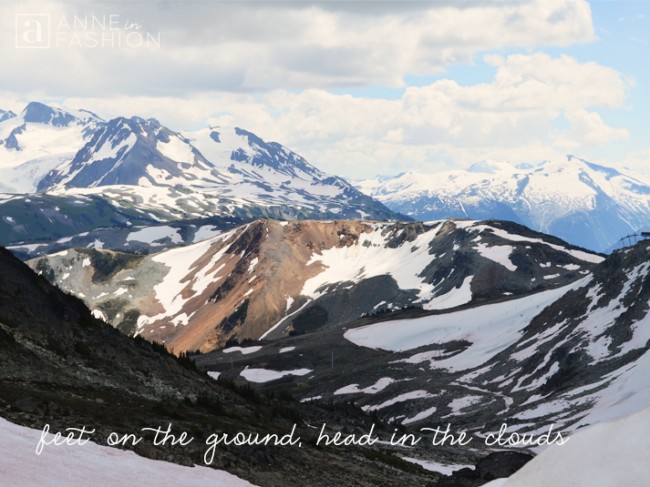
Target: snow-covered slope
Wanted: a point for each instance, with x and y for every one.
(255, 164)
(215, 171)
(583, 203)
(92, 464)
(568, 356)
(271, 278)
(572, 356)
(134, 152)
(36, 141)
(604, 455)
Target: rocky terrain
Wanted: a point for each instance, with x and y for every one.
(497, 324)
(567, 357)
(63, 367)
(271, 279)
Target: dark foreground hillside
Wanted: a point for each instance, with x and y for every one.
(59, 365)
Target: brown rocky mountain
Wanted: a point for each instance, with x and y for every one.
(270, 279)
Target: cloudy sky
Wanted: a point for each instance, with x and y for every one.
(357, 87)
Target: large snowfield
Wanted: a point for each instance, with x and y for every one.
(489, 328)
(92, 465)
(614, 454)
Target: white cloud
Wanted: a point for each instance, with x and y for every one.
(516, 117)
(231, 46)
(536, 107)
(268, 66)
(589, 128)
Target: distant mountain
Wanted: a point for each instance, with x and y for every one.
(126, 232)
(143, 172)
(134, 152)
(40, 221)
(214, 171)
(37, 140)
(272, 279)
(586, 204)
(6, 115)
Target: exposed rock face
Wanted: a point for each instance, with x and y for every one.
(272, 279)
(549, 362)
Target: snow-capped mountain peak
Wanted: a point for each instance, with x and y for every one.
(168, 175)
(36, 112)
(587, 204)
(133, 151)
(37, 140)
(241, 152)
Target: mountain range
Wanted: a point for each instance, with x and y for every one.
(567, 357)
(220, 282)
(57, 165)
(272, 279)
(586, 204)
(135, 171)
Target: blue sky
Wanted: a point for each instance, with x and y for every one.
(624, 43)
(359, 88)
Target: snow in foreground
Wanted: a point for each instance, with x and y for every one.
(92, 464)
(603, 455)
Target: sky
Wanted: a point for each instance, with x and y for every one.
(359, 88)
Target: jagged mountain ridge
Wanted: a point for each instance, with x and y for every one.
(135, 152)
(141, 165)
(6, 115)
(270, 279)
(222, 171)
(569, 357)
(586, 204)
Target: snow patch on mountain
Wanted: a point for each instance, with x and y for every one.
(488, 329)
(371, 257)
(151, 235)
(259, 375)
(38, 140)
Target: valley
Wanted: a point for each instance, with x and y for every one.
(220, 282)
